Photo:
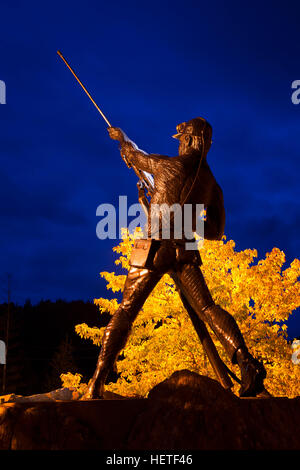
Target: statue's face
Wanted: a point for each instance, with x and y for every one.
(187, 144)
(184, 144)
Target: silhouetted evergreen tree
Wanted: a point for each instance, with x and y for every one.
(62, 362)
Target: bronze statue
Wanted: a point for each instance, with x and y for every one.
(185, 179)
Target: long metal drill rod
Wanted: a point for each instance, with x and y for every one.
(81, 84)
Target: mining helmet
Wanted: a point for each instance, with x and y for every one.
(197, 126)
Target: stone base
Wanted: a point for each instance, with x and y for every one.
(185, 412)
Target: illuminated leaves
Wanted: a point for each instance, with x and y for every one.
(93, 333)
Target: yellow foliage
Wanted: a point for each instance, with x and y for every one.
(260, 296)
(73, 381)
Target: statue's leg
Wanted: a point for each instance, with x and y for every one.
(193, 285)
(139, 283)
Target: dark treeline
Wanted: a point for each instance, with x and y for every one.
(43, 344)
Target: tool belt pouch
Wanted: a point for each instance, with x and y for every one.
(143, 253)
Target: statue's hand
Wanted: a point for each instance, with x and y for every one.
(116, 133)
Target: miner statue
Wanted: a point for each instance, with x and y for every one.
(178, 181)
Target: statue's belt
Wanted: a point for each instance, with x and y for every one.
(144, 250)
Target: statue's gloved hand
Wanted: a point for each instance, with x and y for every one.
(127, 146)
(116, 133)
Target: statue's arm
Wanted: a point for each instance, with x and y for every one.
(139, 158)
(215, 216)
(133, 154)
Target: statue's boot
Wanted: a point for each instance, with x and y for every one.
(97, 382)
(114, 339)
(253, 374)
(227, 331)
(95, 387)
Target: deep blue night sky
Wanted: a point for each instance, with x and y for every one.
(150, 66)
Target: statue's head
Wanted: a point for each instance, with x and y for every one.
(194, 135)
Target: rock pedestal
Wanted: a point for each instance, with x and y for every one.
(185, 412)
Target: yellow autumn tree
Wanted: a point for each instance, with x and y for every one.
(260, 296)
